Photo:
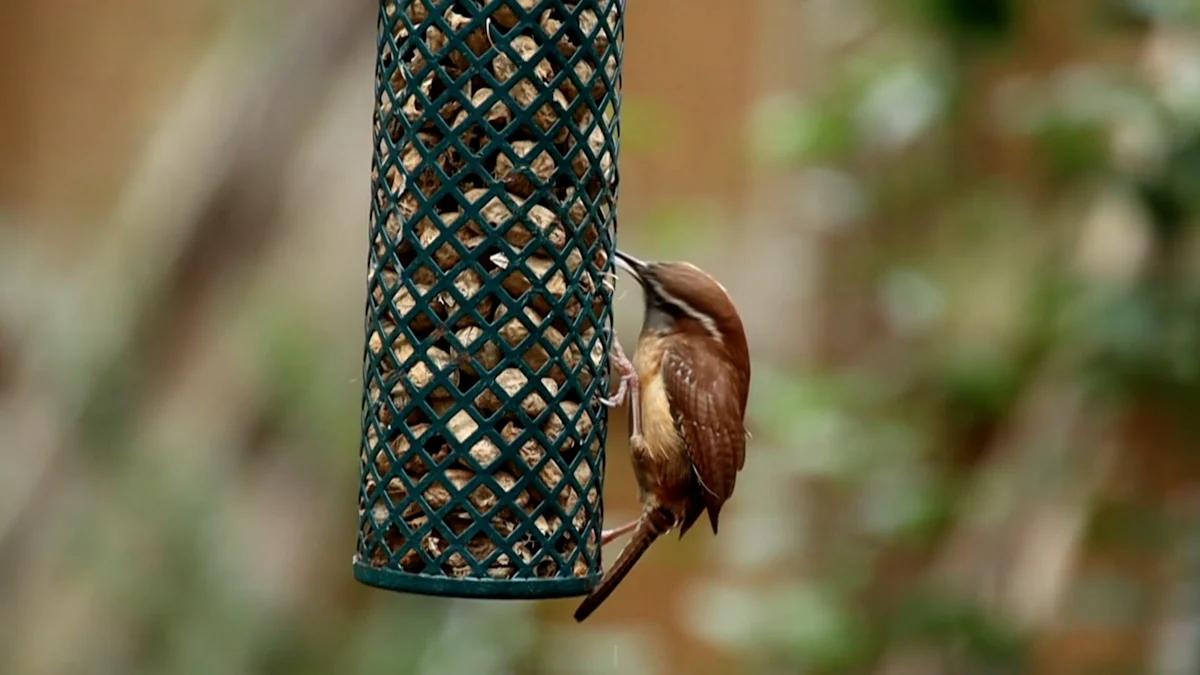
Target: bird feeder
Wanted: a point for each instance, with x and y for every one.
(488, 320)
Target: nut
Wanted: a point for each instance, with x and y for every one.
(486, 352)
(517, 175)
(425, 370)
(506, 17)
(545, 274)
(516, 333)
(555, 427)
(512, 381)
(469, 284)
(540, 220)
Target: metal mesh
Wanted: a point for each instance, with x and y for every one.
(488, 314)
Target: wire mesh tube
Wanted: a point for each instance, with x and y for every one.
(488, 313)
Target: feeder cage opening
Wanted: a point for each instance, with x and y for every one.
(488, 321)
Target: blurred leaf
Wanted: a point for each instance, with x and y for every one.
(809, 414)
(785, 130)
(911, 300)
(1146, 344)
(900, 500)
(1107, 600)
(902, 102)
(980, 384)
(974, 22)
(1143, 12)
(931, 617)
(1173, 195)
(305, 390)
(1071, 149)
(1120, 525)
(811, 624)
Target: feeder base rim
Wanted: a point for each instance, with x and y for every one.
(479, 589)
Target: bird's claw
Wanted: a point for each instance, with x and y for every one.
(629, 377)
(607, 536)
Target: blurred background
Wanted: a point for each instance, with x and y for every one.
(962, 234)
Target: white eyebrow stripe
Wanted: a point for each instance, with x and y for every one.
(704, 320)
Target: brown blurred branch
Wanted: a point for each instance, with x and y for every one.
(1013, 550)
(202, 208)
(238, 220)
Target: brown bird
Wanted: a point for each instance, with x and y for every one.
(688, 384)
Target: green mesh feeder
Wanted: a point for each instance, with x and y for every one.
(488, 315)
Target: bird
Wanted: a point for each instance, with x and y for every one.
(688, 385)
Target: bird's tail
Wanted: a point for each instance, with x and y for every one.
(652, 525)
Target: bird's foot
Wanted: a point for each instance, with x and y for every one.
(607, 536)
(627, 381)
(629, 378)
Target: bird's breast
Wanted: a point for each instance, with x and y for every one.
(662, 438)
(664, 465)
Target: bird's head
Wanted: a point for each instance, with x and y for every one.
(682, 298)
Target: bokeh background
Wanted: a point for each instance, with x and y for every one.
(962, 234)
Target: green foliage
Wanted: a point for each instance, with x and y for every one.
(1071, 149)
(1128, 525)
(787, 131)
(980, 385)
(811, 415)
(306, 392)
(980, 288)
(1106, 599)
(1146, 345)
(872, 104)
(973, 636)
(1142, 12)
(809, 625)
(1172, 194)
(973, 22)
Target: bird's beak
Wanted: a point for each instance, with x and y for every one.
(635, 267)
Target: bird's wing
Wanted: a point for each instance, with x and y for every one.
(705, 393)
